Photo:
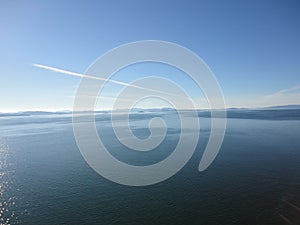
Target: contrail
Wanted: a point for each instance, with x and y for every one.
(57, 70)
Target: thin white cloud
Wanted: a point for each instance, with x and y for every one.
(57, 70)
(289, 90)
(288, 96)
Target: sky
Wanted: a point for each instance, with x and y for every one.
(252, 47)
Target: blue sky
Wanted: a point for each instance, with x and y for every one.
(252, 47)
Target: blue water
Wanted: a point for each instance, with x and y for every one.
(255, 179)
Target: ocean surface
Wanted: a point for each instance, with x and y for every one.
(255, 178)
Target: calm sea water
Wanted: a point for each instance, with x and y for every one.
(255, 179)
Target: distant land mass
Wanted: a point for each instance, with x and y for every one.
(286, 112)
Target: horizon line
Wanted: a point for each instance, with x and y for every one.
(150, 108)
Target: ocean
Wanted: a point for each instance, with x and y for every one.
(255, 179)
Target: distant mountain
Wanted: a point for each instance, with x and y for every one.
(286, 111)
(34, 113)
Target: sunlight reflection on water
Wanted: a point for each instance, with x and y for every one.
(7, 202)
